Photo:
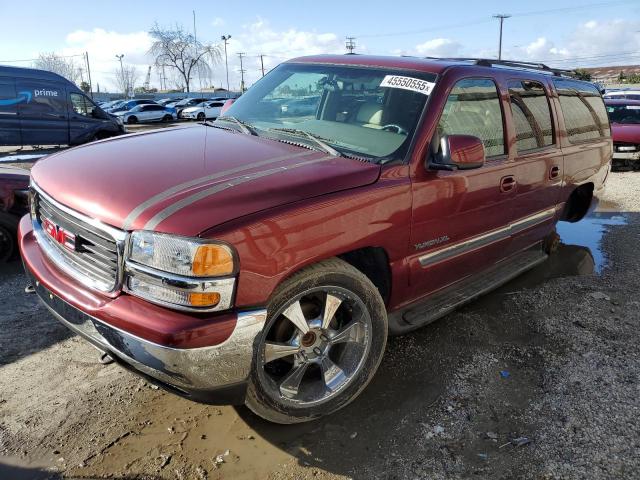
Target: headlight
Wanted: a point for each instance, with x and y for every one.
(187, 273)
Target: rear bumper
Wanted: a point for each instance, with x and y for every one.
(212, 373)
(628, 160)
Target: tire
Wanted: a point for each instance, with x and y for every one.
(132, 119)
(167, 118)
(8, 239)
(353, 339)
(202, 117)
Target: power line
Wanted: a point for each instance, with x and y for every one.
(35, 59)
(480, 21)
(571, 9)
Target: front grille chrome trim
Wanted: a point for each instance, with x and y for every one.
(75, 266)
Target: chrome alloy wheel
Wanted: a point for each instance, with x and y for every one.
(314, 346)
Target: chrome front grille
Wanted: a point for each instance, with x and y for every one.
(84, 248)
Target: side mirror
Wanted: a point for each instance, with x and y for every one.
(227, 105)
(458, 152)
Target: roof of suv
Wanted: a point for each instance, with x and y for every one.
(431, 65)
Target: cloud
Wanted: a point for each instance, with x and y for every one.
(260, 38)
(218, 22)
(590, 44)
(103, 46)
(438, 47)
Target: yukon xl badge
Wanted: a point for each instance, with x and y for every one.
(432, 242)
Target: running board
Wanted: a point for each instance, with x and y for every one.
(448, 299)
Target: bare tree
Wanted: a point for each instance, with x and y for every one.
(180, 51)
(67, 67)
(126, 78)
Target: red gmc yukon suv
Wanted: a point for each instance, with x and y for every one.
(264, 258)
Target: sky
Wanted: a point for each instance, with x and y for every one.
(562, 33)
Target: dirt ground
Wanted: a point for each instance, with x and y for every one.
(539, 379)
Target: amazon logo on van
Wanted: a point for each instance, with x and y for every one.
(25, 96)
(22, 97)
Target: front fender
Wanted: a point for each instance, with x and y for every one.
(275, 243)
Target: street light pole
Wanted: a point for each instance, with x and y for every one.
(225, 39)
(501, 17)
(124, 80)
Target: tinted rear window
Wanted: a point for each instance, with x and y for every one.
(585, 116)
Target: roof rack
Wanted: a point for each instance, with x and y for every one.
(492, 62)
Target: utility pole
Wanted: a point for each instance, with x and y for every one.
(351, 44)
(86, 57)
(501, 17)
(241, 72)
(195, 47)
(124, 81)
(262, 64)
(225, 39)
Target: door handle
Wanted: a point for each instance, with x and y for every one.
(554, 171)
(507, 184)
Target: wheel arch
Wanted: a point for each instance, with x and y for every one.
(373, 262)
(578, 204)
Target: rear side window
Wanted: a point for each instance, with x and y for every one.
(531, 115)
(473, 108)
(585, 116)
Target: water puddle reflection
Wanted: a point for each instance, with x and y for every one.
(589, 233)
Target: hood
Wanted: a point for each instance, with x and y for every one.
(625, 133)
(191, 109)
(187, 180)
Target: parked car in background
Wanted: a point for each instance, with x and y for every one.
(204, 110)
(42, 108)
(186, 103)
(248, 261)
(147, 113)
(622, 94)
(169, 101)
(14, 203)
(624, 116)
(300, 107)
(113, 103)
(129, 104)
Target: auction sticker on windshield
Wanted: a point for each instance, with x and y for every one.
(407, 83)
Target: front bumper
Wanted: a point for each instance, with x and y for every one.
(626, 155)
(215, 373)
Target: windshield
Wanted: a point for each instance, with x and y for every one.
(629, 114)
(358, 111)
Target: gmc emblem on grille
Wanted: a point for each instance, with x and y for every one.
(59, 234)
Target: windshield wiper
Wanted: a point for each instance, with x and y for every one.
(244, 126)
(319, 141)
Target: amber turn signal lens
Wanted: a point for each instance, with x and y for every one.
(212, 261)
(204, 299)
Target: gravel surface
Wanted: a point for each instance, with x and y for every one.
(536, 380)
